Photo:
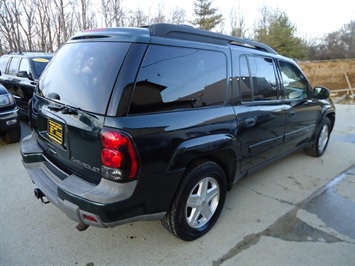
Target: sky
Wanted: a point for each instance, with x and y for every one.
(312, 18)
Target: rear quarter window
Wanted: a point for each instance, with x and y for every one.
(173, 78)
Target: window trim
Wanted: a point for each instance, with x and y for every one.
(279, 89)
(309, 87)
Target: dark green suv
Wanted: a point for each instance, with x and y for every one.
(158, 122)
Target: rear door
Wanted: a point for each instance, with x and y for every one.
(9, 78)
(70, 104)
(25, 85)
(260, 113)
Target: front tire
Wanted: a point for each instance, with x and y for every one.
(321, 142)
(11, 135)
(198, 202)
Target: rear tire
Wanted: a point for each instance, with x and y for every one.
(321, 142)
(11, 135)
(198, 202)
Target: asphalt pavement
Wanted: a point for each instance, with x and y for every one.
(298, 211)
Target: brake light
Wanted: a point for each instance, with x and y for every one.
(118, 156)
(112, 158)
(112, 140)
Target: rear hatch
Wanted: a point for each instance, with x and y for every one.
(71, 101)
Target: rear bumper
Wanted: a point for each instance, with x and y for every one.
(110, 203)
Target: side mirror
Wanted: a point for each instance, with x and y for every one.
(24, 74)
(321, 92)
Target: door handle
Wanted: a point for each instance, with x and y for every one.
(291, 113)
(249, 122)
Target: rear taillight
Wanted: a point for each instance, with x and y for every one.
(118, 156)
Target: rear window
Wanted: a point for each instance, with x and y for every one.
(82, 74)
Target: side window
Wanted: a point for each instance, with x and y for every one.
(3, 64)
(257, 80)
(24, 66)
(263, 78)
(179, 78)
(39, 64)
(13, 68)
(294, 82)
(245, 80)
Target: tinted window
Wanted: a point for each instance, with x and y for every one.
(257, 80)
(14, 64)
(263, 78)
(179, 78)
(245, 80)
(83, 74)
(294, 82)
(39, 64)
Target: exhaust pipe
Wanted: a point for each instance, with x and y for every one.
(82, 227)
(40, 195)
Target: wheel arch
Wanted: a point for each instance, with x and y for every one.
(219, 148)
(328, 112)
(331, 117)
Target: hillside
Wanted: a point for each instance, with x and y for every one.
(336, 75)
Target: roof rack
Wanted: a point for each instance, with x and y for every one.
(189, 33)
(27, 52)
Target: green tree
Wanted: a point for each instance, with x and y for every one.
(207, 17)
(276, 30)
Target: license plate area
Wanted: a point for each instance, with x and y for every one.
(55, 132)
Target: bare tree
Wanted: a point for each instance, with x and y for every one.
(336, 45)
(237, 24)
(137, 18)
(84, 4)
(62, 32)
(44, 28)
(112, 13)
(159, 17)
(27, 24)
(86, 16)
(9, 21)
(178, 16)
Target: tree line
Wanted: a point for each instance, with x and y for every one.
(44, 25)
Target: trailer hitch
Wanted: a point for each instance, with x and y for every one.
(39, 195)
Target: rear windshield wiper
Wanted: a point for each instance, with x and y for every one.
(64, 109)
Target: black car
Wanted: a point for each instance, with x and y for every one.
(159, 122)
(10, 129)
(19, 73)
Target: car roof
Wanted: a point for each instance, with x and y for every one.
(170, 31)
